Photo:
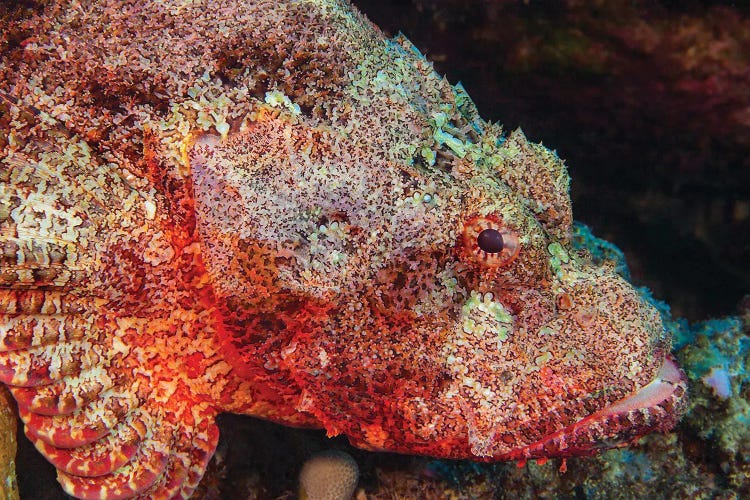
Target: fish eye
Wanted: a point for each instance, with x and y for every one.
(489, 242)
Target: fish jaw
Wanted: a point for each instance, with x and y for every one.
(657, 406)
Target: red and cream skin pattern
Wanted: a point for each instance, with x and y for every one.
(270, 208)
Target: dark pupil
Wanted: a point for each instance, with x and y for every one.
(490, 240)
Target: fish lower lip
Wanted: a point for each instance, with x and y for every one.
(656, 406)
(667, 381)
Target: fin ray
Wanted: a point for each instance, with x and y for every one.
(100, 457)
(65, 396)
(86, 425)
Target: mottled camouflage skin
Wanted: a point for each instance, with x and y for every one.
(269, 208)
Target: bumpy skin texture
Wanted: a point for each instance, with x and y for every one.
(269, 208)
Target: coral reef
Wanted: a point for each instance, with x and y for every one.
(716, 357)
(328, 475)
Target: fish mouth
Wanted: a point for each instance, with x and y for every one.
(657, 406)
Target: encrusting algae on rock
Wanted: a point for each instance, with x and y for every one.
(269, 208)
(8, 486)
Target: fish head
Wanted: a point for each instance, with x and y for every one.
(439, 308)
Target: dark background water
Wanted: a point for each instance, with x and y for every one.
(648, 102)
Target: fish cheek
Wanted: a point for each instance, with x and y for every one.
(423, 283)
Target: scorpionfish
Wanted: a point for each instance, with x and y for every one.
(270, 208)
